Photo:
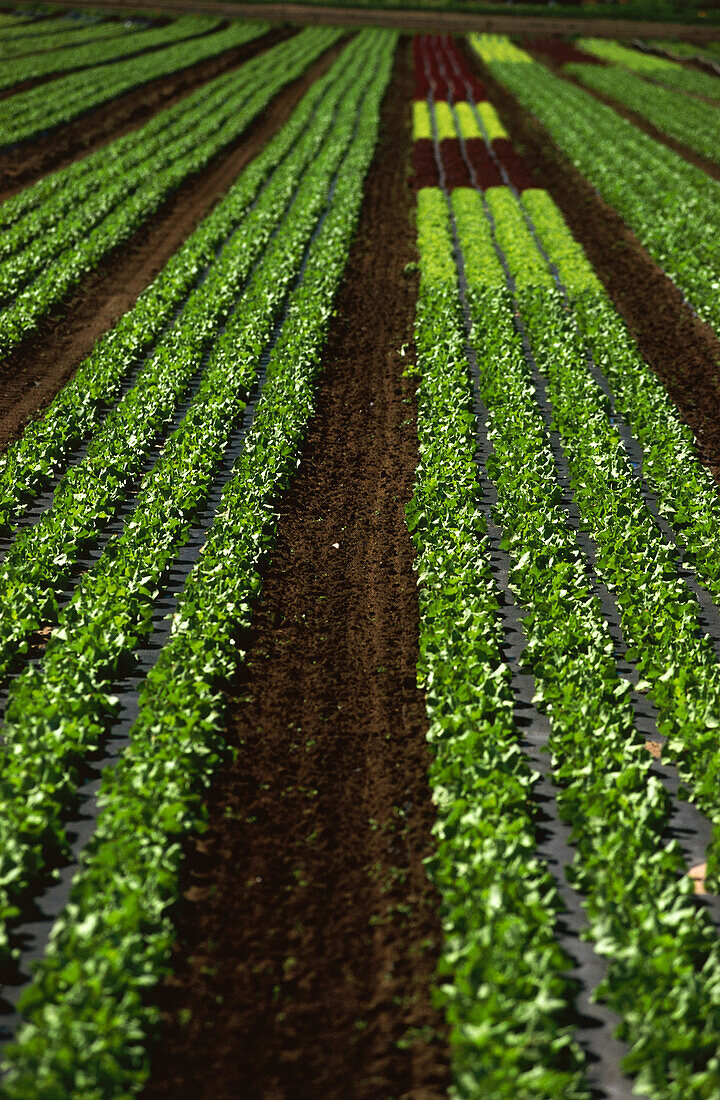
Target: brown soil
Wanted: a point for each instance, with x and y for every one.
(409, 20)
(308, 936)
(558, 51)
(31, 160)
(32, 375)
(682, 350)
(710, 166)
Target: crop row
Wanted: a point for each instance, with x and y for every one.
(74, 36)
(507, 1011)
(31, 113)
(458, 123)
(159, 154)
(632, 879)
(659, 70)
(510, 1034)
(28, 25)
(660, 617)
(671, 205)
(709, 51)
(112, 942)
(687, 120)
(28, 466)
(55, 712)
(96, 53)
(42, 555)
(36, 207)
(114, 211)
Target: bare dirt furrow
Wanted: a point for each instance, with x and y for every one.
(33, 159)
(32, 375)
(682, 350)
(308, 935)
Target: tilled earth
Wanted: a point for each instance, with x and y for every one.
(309, 935)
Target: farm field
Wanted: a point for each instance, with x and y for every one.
(359, 561)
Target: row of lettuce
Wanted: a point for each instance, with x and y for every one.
(663, 625)
(98, 52)
(78, 32)
(660, 71)
(708, 52)
(29, 114)
(687, 119)
(62, 227)
(89, 1007)
(28, 22)
(663, 960)
(669, 204)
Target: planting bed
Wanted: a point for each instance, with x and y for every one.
(359, 565)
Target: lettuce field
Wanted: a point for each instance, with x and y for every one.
(359, 562)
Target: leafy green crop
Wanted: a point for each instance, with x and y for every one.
(27, 114)
(42, 555)
(113, 212)
(690, 121)
(26, 467)
(55, 714)
(659, 70)
(73, 34)
(637, 890)
(673, 207)
(111, 944)
(499, 903)
(663, 958)
(39, 64)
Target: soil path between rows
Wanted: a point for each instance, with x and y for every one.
(34, 372)
(308, 936)
(683, 351)
(544, 50)
(414, 20)
(31, 160)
